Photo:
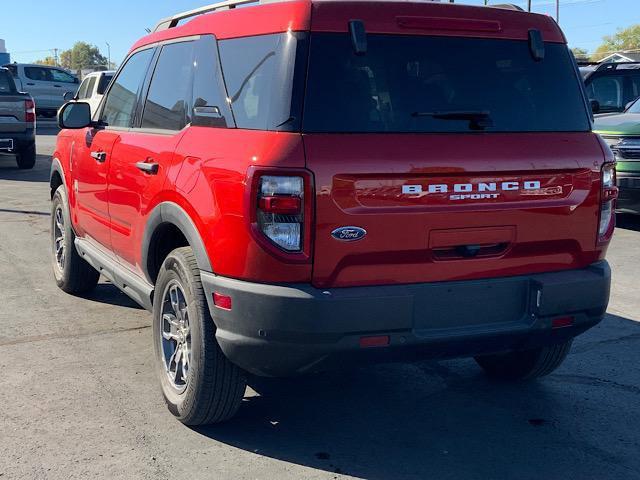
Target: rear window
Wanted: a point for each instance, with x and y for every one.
(440, 85)
(6, 82)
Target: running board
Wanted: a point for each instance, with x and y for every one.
(135, 287)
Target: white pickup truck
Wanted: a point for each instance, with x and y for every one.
(92, 89)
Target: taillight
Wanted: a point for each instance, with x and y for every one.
(607, 203)
(29, 111)
(280, 210)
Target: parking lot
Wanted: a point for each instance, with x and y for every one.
(79, 397)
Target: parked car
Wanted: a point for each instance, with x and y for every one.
(290, 190)
(17, 122)
(45, 84)
(92, 89)
(622, 134)
(611, 86)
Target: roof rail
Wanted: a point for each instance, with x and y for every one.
(171, 22)
(616, 65)
(507, 6)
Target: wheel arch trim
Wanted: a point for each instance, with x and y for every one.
(171, 213)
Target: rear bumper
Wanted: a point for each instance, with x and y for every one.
(20, 140)
(629, 197)
(282, 330)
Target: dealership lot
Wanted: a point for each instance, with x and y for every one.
(80, 399)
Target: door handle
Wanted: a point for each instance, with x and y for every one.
(58, 86)
(100, 157)
(31, 84)
(148, 167)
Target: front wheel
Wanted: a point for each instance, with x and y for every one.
(199, 384)
(525, 364)
(72, 273)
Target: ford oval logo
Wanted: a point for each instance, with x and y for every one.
(349, 234)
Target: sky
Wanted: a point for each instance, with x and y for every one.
(33, 28)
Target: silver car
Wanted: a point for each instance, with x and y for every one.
(45, 84)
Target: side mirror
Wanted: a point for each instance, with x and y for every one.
(595, 106)
(68, 96)
(74, 115)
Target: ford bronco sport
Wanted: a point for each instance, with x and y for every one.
(295, 186)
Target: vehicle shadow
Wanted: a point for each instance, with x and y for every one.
(628, 221)
(440, 420)
(107, 293)
(39, 173)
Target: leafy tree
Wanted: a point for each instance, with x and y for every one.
(580, 53)
(624, 39)
(82, 55)
(46, 61)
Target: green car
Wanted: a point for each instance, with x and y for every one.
(621, 131)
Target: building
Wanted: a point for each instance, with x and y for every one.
(4, 55)
(622, 56)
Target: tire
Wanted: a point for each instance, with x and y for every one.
(72, 273)
(526, 364)
(207, 388)
(26, 157)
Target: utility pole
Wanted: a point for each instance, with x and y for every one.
(55, 56)
(529, 6)
(109, 55)
(558, 12)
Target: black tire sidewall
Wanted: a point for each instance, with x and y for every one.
(176, 268)
(26, 158)
(60, 198)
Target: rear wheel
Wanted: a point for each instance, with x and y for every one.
(26, 157)
(72, 273)
(525, 364)
(199, 384)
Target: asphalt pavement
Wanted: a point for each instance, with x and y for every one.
(80, 400)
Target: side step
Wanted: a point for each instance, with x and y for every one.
(134, 286)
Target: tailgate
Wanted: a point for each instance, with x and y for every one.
(12, 113)
(453, 207)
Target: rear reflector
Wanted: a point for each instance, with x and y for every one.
(222, 301)
(562, 322)
(379, 341)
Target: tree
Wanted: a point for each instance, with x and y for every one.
(580, 53)
(624, 39)
(46, 61)
(82, 55)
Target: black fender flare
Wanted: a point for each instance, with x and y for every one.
(56, 167)
(172, 213)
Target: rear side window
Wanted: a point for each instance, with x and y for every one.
(120, 105)
(423, 84)
(166, 104)
(38, 74)
(86, 88)
(62, 77)
(259, 75)
(608, 91)
(208, 87)
(6, 82)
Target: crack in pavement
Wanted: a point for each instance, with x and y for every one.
(56, 336)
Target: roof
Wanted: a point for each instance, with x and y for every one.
(379, 16)
(626, 56)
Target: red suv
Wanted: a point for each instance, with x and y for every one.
(296, 186)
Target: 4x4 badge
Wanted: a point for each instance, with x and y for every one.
(349, 234)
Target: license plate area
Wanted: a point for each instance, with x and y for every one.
(454, 305)
(6, 144)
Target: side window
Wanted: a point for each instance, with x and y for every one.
(82, 91)
(608, 91)
(61, 76)
(166, 104)
(92, 83)
(120, 105)
(13, 69)
(38, 74)
(208, 87)
(635, 86)
(258, 72)
(104, 83)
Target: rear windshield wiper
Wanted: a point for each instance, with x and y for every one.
(477, 120)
